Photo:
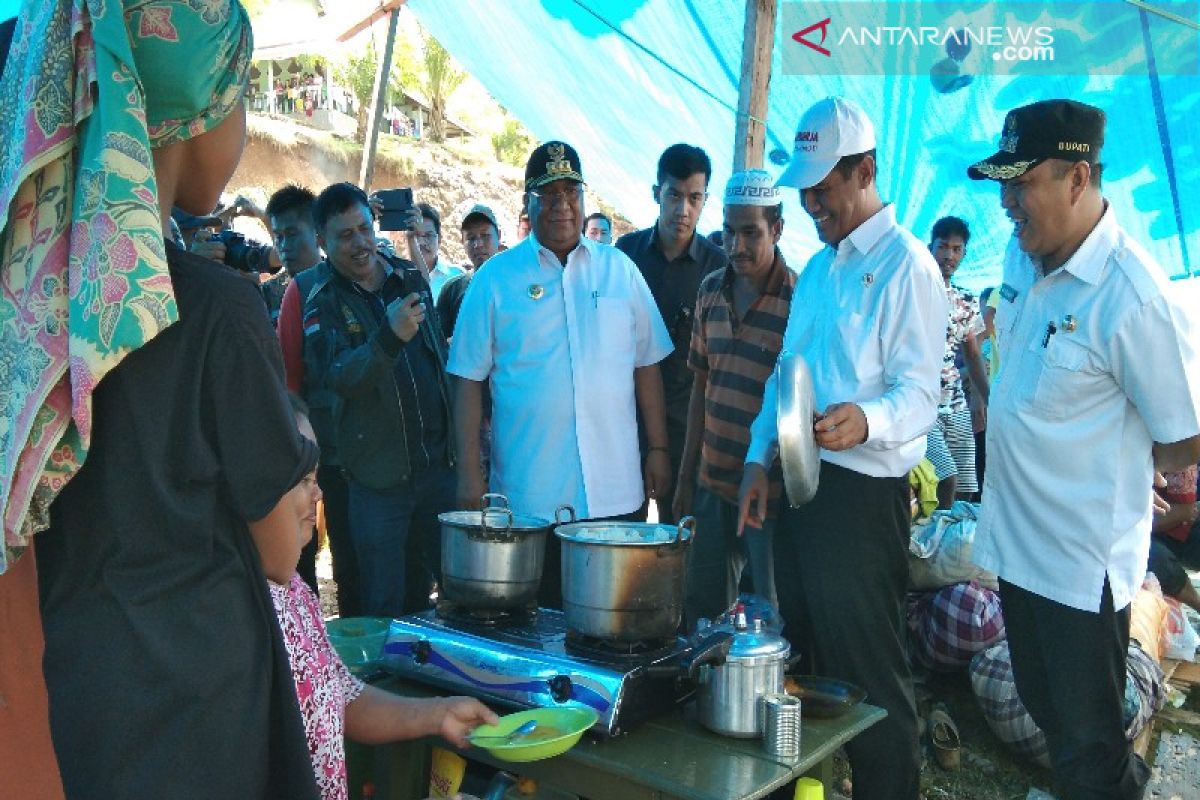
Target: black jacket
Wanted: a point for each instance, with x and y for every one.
(349, 374)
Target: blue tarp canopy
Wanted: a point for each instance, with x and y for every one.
(623, 79)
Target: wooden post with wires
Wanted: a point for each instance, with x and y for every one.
(758, 44)
(367, 171)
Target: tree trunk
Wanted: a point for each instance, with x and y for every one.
(437, 120)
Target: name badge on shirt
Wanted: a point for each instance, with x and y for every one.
(1008, 293)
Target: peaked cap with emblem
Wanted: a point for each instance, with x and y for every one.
(552, 161)
(1034, 133)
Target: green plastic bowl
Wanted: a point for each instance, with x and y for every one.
(358, 640)
(558, 730)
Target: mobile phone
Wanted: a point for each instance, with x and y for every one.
(396, 203)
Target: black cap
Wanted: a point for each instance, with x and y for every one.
(1061, 129)
(191, 222)
(553, 161)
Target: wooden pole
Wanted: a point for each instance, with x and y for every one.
(367, 173)
(758, 43)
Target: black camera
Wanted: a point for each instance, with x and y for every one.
(243, 255)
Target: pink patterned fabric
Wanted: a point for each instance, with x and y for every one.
(324, 686)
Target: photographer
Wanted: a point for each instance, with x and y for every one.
(375, 374)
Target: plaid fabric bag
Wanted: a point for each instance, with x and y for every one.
(954, 623)
(996, 692)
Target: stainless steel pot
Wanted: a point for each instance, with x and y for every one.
(492, 558)
(730, 693)
(623, 581)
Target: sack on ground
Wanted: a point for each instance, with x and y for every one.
(940, 550)
(954, 623)
(996, 692)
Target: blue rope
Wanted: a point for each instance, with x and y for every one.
(1164, 135)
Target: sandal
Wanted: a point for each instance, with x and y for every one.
(943, 733)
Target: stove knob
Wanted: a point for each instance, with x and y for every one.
(421, 651)
(560, 688)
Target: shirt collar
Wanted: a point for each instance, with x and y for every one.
(1089, 260)
(872, 229)
(693, 250)
(587, 244)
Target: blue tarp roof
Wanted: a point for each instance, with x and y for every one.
(623, 79)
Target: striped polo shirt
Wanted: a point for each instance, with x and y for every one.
(738, 355)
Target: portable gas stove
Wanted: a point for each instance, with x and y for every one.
(530, 659)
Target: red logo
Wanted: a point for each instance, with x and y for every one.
(824, 26)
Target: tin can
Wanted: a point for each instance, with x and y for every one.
(781, 725)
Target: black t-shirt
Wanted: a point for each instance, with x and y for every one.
(166, 670)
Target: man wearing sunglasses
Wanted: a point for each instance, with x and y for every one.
(568, 335)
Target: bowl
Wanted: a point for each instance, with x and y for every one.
(557, 731)
(823, 698)
(358, 640)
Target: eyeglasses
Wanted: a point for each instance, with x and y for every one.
(569, 196)
(426, 237)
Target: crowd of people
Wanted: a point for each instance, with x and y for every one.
(177, 508)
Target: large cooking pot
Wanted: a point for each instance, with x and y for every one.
(623, 581)
(729, 693)
(492, 558)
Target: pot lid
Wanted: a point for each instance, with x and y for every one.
(496, 519)
(620, 533)
(756, 643)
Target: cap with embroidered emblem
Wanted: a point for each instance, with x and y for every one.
(829, 130)
(1063, 129)
(552, 161)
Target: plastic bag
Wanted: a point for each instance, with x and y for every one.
(1179, 637)
(940, 550)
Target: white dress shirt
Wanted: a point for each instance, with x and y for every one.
(870, 319)
(441, 274)
(560, 345)
(1098, 363)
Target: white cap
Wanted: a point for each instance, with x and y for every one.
(751, 187)
(830, 129)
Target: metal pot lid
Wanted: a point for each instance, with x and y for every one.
(757, 644)
(497, 519)
(636, 534)
(798, 451)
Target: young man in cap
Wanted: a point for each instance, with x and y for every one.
(1099, 386)
(673, 260)
(741, 314)
(869, 316)
(481, 236)
(566, 332)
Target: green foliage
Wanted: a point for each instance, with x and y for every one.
(512, 144)
(442, 77)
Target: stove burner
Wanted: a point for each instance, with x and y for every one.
(486, 617)
(607, 650)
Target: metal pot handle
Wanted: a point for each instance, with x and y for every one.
(567, 507)
(502, 501)
(685, 530)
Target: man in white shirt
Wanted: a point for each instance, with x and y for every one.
(1099, 385)
(869, 316)
(568, 335)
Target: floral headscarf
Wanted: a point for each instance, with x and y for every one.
(89, 88)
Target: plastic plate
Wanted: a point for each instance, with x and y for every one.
(557, 731)
(823, 698)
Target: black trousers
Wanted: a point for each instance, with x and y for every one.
(336, 495)
(841, 572)
(1069, 667)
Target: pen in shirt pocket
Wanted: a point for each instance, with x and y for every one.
(595, 299)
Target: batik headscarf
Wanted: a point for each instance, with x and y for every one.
(89, 88)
